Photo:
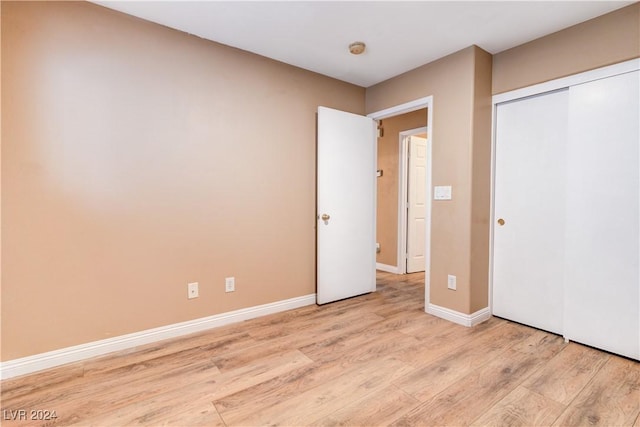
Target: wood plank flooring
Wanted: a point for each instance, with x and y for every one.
(373, 360)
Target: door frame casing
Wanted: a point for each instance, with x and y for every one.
(407, 107)
(403, 187)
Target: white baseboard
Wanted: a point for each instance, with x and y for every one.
(387, 268)
(38, 362)
(459, 318)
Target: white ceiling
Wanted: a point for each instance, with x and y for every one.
(400, 36)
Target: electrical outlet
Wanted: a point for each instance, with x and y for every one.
(192, 290)
(377, 248)
(451, 282)
(229, 284)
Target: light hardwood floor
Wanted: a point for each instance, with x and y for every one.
(377, 359)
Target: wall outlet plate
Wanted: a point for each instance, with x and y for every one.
(451, 282)
(192, 290)
(229, 284)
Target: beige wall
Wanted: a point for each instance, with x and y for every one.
(460, 86)
(606, 40)
(388, 161)
(481, 182)
(136, 159)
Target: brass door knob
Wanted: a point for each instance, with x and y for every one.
(325, 217)
(500, 221)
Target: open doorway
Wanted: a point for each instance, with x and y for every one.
(425, 103)
(403, 243)
(339, 128)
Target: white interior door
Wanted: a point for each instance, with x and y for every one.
(417, 206)
(346, 196)
(528, 250)
(603, 189)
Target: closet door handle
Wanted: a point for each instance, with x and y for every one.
(500, 222)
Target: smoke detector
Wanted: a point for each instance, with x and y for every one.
(356, 48)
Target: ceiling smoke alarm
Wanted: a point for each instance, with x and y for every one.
(357, 48)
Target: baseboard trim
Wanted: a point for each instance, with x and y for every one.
(387, 268)
(38, 362)
(459, 318)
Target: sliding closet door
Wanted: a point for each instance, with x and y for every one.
(602, 301)
(530, 157)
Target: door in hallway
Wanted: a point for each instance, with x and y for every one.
(416, 204)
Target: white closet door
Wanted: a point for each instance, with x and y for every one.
(529, 197)
(602, 234)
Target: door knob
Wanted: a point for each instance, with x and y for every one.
(500, 221)
(325, 217)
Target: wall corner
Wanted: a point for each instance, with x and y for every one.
(480, 181)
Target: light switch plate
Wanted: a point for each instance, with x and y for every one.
(442, 192)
